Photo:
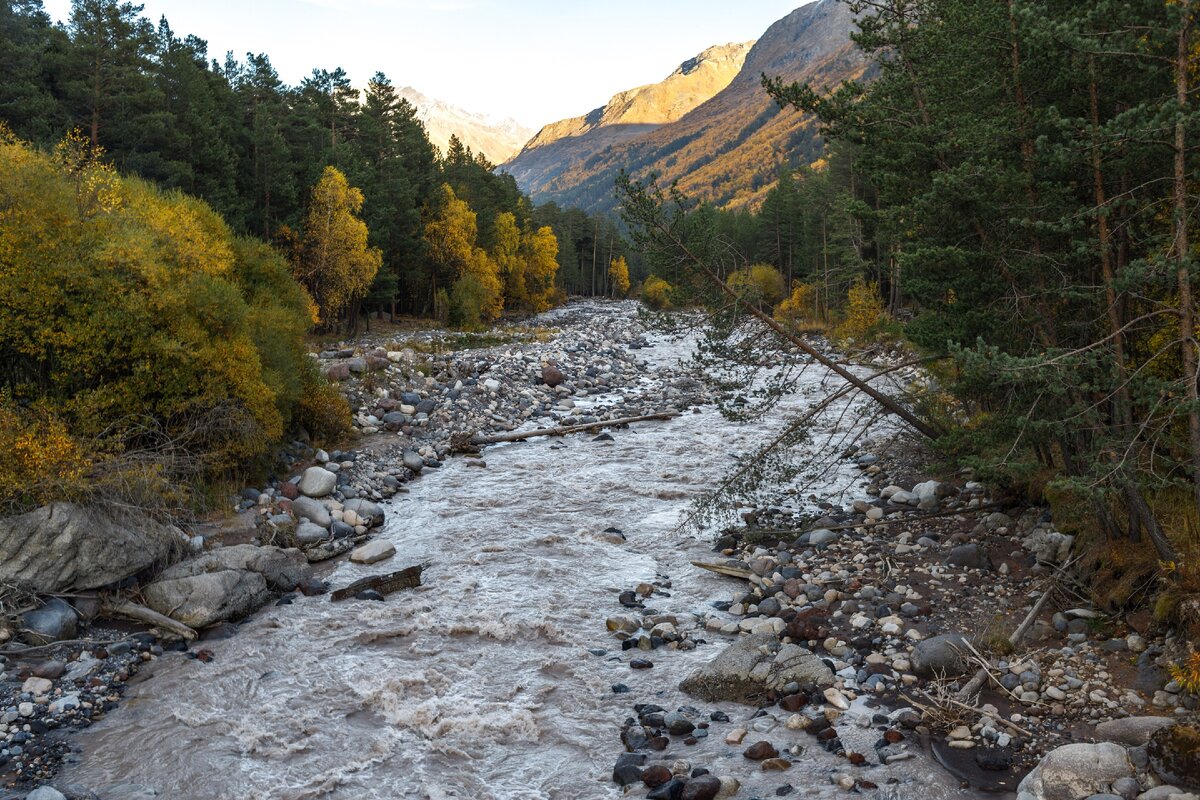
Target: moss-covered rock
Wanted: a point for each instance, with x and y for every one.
(1175, 756)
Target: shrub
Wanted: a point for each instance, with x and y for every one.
(759, 285)
(469, 298)
(656, 293)
(864, 312)
(441, 306)
(799, 308)
(322, 410)
(125, 309)
(42, 462)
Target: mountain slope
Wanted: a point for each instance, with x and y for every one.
(695, 81)
(496, 139)
(729, 149)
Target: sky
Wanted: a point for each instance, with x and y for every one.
(536, 61)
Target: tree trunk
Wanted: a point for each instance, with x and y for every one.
(1122, 414)
(1187, 314)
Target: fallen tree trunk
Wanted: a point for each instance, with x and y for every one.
(150, 617)
(723, 569)
(409, 578)
(478, 440)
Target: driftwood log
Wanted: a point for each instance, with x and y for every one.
(409, 578)
(464, 444)
(725, 569)
(150, 617)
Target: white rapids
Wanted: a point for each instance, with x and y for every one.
(481, 683)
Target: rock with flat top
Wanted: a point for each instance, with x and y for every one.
(372, 552)
(1131, 731)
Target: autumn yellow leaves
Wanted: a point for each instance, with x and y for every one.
(126, 309)
(518, 273)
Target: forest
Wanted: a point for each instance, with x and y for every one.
(233, 134)
(1015, 186)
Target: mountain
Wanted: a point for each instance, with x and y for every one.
(496, 139)
(695, 81)
(727, 150)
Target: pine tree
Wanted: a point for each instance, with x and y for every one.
(28, 44)
(108, 74)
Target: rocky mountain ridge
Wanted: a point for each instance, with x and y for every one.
(695, 81)
(497, 139)
(728, 150)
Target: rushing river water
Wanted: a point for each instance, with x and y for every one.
(481, 683)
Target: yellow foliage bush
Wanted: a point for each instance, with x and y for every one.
(656, 293)
(1187, 673)
(760, 284)
(864, 311)
(119, 302)
(43, 462)
(800, 307)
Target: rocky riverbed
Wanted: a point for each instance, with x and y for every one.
(820, 649)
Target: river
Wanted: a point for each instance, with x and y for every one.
(483, 683)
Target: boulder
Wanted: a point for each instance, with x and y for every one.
(202, 600)
(702, 787)
(1175, 756)
(338, 372)
(1131, 731)
(55, 621)
(821, 536)
(927, 494)
(944, 655)
(412, 459)
(970, 556)
(372, 552)
(283, 570)
(312, 510)
(1049, 547)
(311, 533)
(318, 482)
(372, 512)
(752, 666)
(1076, 771)
(64, 547)
(552, 376)
(45, 793)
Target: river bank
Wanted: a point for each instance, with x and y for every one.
(561, 609)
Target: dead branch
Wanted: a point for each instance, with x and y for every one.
(480, 439)
(150, 617)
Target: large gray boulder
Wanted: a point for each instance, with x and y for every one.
(55, 621)
(64, 547)
(946, 655)
(317, 482)
(283, 570)
(372, 512)
(1131, 731)
(1076, 771)
(202, 600)
(312, 510)
(752, 666)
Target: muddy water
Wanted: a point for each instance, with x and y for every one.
(482, 683)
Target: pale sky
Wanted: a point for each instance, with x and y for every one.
(536, 61)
